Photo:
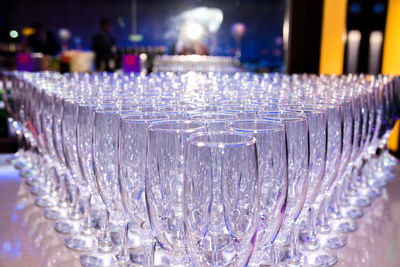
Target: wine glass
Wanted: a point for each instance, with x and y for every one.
(298, 161)
(318, 144)
(59, 210)
(81, 142)
(105, 166)
(167, 141)
(131, 162)
(272, 166)
(221, 198)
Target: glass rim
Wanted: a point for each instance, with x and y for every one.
(250, 139)
(88, 105)
(153, 125)
(130, 118)
(246, 109)
(306, 109)
(297, 116)
(231, 115)
(276, 126)
(112, 109)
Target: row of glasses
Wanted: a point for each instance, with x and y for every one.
(93, 145)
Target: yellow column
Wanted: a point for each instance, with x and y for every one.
(333, 37)
(391, 47)
(393, 141)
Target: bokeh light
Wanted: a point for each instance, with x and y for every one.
(13, 34)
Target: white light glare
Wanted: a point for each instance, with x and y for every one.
(193, 31)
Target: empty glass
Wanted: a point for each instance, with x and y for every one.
(132, 162)
(166, 145)
(221, 198)
(273, 171)
(298, 172)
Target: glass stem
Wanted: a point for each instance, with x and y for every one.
(105, 243)
(54, 182)
(87, 222)
(123, 255)
(325, 214)
(313, 217)
(276, 254)
(149, 244)
(63, 200)
(19, 140)
(293, 256)
(149, 250)
(76, 209)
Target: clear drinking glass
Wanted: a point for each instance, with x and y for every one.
(105, 165)
(273, 172)
(132, 162)
(166, 145)
(298, 171)
(221, 198)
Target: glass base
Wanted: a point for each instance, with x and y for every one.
(352, 212)
(45, 201)
(80, 242)
(297, 260)
(378, 182)
(39, 190)
(344, 225)
(20, 165)
(27, 173)
(12, 159)
(332, 239)
(55, 213)
(370, 192)
(67, 226)
(165, 258)
(138, 256)
(320, 258)
(99, 259)
(360, 201)
(133, 239)
(389, 175)
(32, 181)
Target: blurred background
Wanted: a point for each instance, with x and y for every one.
(292, 36)
(146, 36)
(151, 26)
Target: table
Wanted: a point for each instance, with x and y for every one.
(28, 239)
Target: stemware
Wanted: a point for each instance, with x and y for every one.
(273, 172)
(221, 198)
(85, 238)
(164, 185)
(131, 166)
(90, 160)
(298, 161)
(105, 165)
(318, 144)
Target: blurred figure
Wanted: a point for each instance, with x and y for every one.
(103, 44)
(43, 41)
(184, 47)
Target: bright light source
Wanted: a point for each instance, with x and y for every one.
(193, 31)
(354, 36)
(13, 34)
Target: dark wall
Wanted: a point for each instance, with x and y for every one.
(304, 40)
(366, 16)
(263, 18)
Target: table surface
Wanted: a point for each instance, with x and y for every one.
(28, 239)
